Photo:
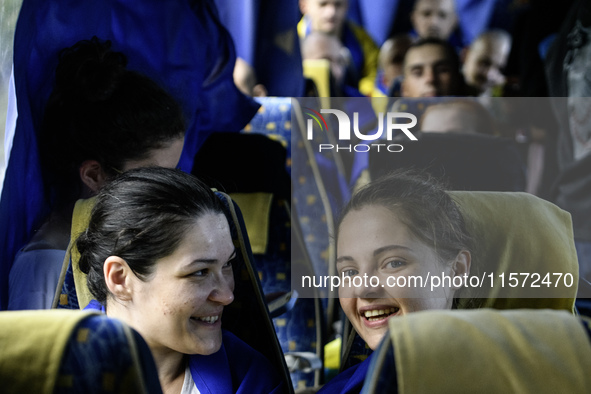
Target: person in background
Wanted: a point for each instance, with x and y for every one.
(246, 81)
(192, 58)
(485, 60)
(458, 116)
(431, 69)
(436, 19)
(100, 120)
(568, 74)
(391, 61)
(318, 45)
(329, 17)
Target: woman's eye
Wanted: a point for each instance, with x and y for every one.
(395, 264)
(229, 264)
(350, 272)
(202, 272)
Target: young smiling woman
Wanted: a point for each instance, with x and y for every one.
(158, 255)
(397, 228)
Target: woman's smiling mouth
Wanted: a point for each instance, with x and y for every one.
(378, 316)
(209, 320)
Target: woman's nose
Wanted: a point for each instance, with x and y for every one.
(223, 291)
(368, 289)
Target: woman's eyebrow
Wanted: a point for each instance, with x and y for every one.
(388, 248)
(202, 261)
(376, 252)
(344, 258)
(212, 261)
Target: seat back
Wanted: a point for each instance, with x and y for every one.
(249, 318)
(313, 195)
(274, 120)
(471, 155)
(73, 352)
(526, 351)
(464, 161)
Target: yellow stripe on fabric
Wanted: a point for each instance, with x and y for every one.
(256, 210)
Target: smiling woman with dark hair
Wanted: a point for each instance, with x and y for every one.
(158, 255)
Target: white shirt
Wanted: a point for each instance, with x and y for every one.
(189, 384)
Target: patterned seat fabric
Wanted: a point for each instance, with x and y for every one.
(301, 329)
(104, 356)
(68, 298)
(273, 119)
(67, 351)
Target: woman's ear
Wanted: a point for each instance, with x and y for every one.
(461, 265)
(92, 175)
(464, 55)
(118, 278)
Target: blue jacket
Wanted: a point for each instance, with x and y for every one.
(350, 381)
(235, 368)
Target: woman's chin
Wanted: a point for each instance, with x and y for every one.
(373, 337)
(205, 343)
(206, 350)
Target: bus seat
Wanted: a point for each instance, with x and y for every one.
(464, 161)
(51, 351)
(492, 351)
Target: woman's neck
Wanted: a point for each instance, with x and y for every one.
(171, 370)
(170, 364)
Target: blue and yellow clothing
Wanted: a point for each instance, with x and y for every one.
(350, 381)
(364, 53)
(235, 368)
